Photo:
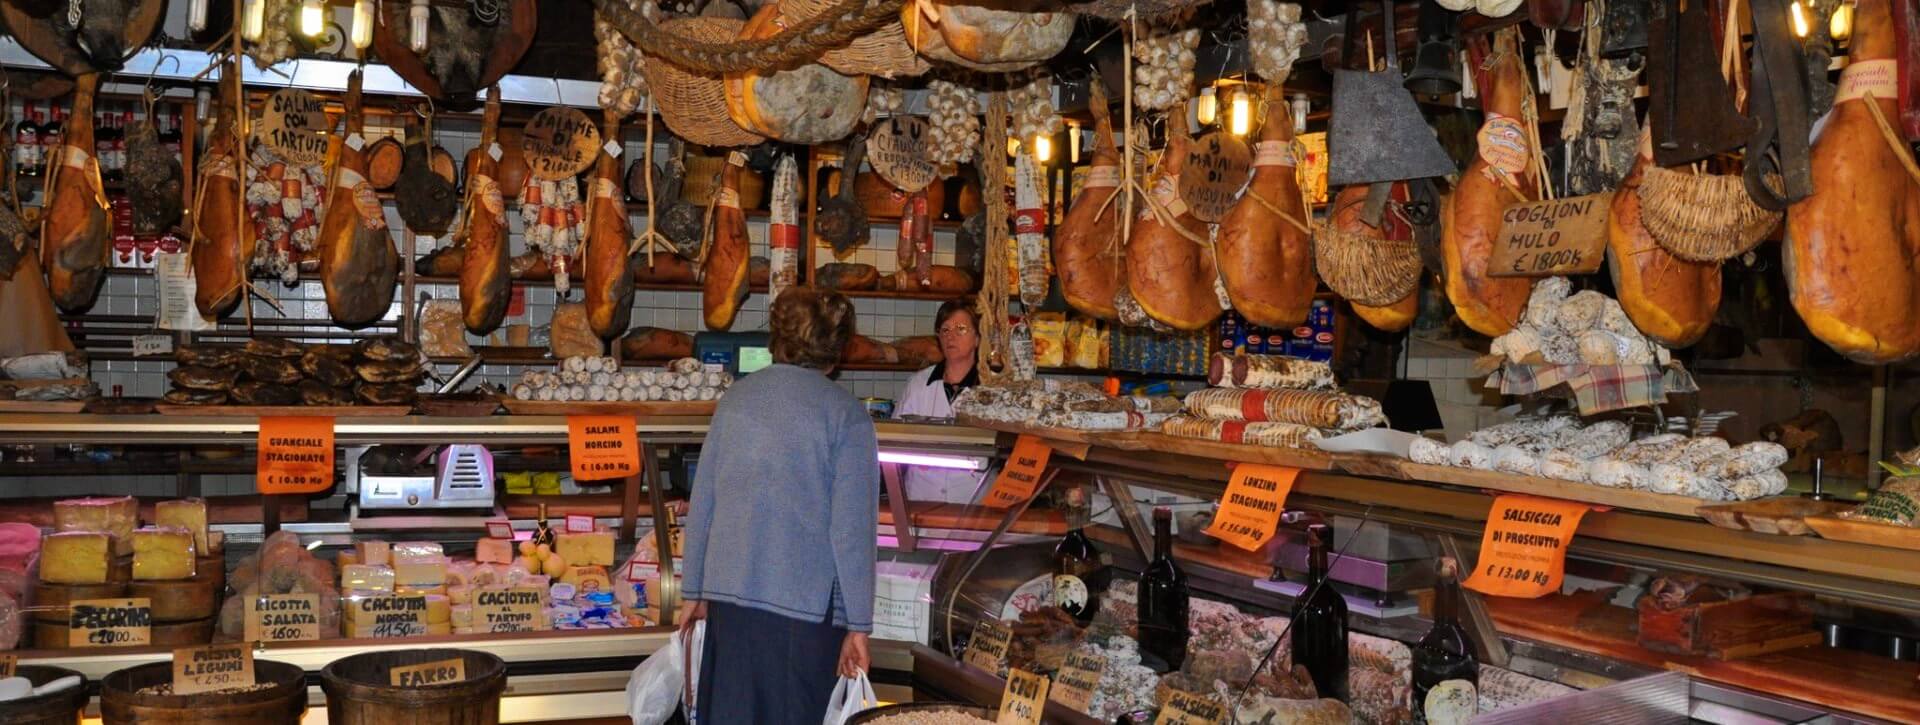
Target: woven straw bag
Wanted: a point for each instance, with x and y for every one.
(694, 105)
(1366, 269)
(883, 52)
(1702, 217)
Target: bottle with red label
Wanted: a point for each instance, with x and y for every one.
(52, 136)
(26, 141)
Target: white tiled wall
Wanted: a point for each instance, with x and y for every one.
(1460, 393)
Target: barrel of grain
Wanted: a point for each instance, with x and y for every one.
(64, 707)
(932, 713)
(280, 696)
(359, 690)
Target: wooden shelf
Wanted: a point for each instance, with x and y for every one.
(875, 294)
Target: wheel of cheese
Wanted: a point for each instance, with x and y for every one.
(50, 600)
(807, 104)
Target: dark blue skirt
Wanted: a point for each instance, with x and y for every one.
(758, 667)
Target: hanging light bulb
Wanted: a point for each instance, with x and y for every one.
(197, 15)
(1840, 26)
(253, 23)
(1042, 149)
(1300, 107)
(1799, 15)
(362, 33)
(1206, 107)
(1241, 119)
(1013, 146)
(1073, 142)
(417, 16)
(313, 18)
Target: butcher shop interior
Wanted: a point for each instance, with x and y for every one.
(1149, 362)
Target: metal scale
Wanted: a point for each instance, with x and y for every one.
(460, 477)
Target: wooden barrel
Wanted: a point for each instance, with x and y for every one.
(50, 600)
(53, 635)
(358, 692)
(283, 700)
(183, 599)
(383, 162)
(54, 708)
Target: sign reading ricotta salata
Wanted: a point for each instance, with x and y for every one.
(295, 455)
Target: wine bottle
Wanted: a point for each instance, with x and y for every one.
(1320, 621)
(1445, 653)
(542, 534)
(26, 141)
(1074, 562)
(1163, 601)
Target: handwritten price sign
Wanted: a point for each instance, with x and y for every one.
(1524, 550)
(1024, 699)
(1186, 708)
(988, 648)
(282, 618)
(1218, 166)
(292, 126)
(1077, 679)
(212, 669)
(1556, 236)
(559, 143)
(110, 622)
(898, 152)
(1250, 508)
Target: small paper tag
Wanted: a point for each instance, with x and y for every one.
(110, 622)
(579, 524)
(499, 530)
(356, 142)
(212, 668)
(1024, 698)
(988, 648)
(150, 345)
(439, 672)
(282, 618)
(612, 148)
(494, 151)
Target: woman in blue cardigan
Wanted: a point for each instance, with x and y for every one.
(780, 538)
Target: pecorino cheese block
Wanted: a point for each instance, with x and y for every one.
(76, 557)
(162, 554)
(115, 516)
(186, 513)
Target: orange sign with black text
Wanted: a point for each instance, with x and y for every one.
(295, 455)
(1021, 476)
(602, 446)
(1250, 508)
(1524, 550)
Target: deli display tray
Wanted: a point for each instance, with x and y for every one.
(1865, 532)
(657, 407)
(1126, 440)
(1622, 498)
(269, 411)
(1780, 515)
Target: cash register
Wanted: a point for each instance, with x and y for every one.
(739, 353)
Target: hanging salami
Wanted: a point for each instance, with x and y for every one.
(783, 234)
(555, 224)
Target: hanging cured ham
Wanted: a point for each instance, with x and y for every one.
(1671, 300)
(220, 229)
(1087, 245)
(609, 279)
(1170, 267)
(1347, 207)
(1852, 252)
(725, 268)
(76, 240)
(357, 261)
(1266, 254)
(485, 276)
(1470, 218)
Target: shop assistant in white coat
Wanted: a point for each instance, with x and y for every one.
(930, 393)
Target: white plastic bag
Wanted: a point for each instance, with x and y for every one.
(850, 697)
(667, 679)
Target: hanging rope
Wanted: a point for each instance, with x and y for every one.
(995, 337)
(832, 28)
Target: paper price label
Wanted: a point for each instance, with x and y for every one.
(175, 286)
(211, 669)
(110, 622)
(1078, 678)
(1024, 698)
(559, 143)
(438, 672)
(1186, 708)
(382, 617)
(9, 664)
(987, 649)
(295, 455)
(1250, 508)
(602, 446)
(1021, 475)
(499, 530)
(150, 345)
(612, 148)
(282, 618)
(1552, 237)
(494, 151)
(507, 610)
(579, 524)
(1218, 166)
(1524, 550)
(293, 125)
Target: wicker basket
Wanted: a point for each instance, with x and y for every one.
(694, 105)
(883, 52)
(1702, 217)
(1366, 269)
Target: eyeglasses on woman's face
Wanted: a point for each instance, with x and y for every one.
(956, 331)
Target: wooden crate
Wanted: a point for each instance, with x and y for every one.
(1731, 629)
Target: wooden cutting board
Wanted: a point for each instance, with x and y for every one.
(1865, 532)
(1781, 515)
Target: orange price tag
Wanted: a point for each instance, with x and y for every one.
(1021, 475)
(1250, 509)
(1524, 550)
(602, 446)
(295, 455)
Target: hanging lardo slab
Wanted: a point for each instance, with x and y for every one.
(293, 125)
(898, 152)
(559, 143)
(1218, 167)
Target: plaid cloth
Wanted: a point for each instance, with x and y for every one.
(1597, 388)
